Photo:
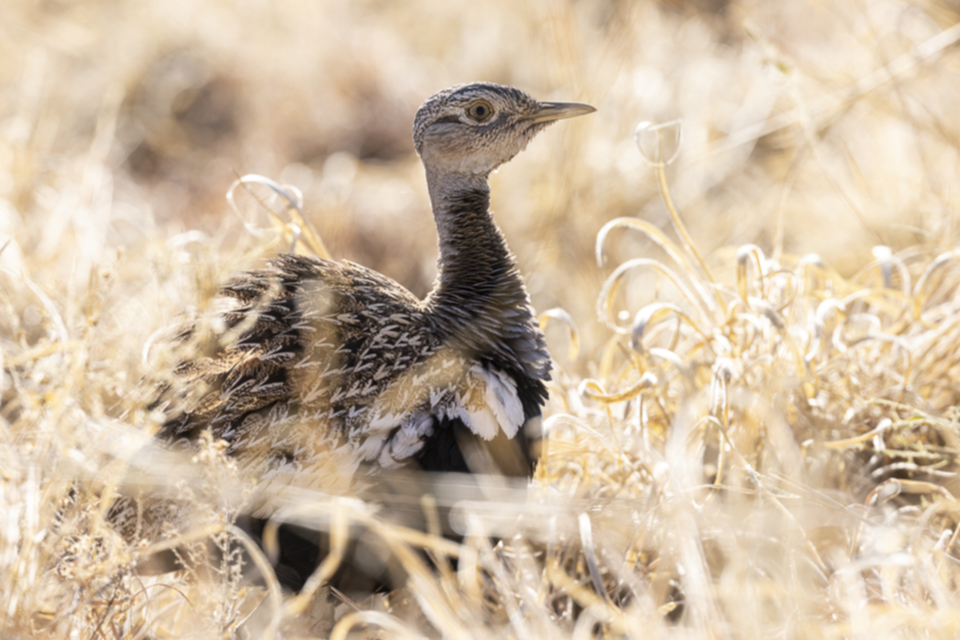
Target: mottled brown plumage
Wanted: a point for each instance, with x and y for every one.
(321, 367)
(333, 357)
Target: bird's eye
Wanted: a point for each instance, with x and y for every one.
(480, 111)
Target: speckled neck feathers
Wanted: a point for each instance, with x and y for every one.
(479, 300)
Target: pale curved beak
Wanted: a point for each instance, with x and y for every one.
(550, 111)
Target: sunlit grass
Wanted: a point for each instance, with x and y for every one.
(752, 424)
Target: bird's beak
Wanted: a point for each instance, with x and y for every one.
(550, 111)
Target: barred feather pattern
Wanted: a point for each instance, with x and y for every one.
(319, 356)
(334, 358)
(318, 368)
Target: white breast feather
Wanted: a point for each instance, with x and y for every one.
(485, 400)
(488, 402)
(371, 446)
(408, 440)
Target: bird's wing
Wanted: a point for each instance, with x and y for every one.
(316, 356)
(305, 337)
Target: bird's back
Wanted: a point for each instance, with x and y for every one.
(319, 358)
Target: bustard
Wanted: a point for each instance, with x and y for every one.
(329, 357)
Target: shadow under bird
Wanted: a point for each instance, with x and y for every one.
(327, 360)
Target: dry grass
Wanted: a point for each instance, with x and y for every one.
(758, 442)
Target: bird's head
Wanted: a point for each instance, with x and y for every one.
(474, 128)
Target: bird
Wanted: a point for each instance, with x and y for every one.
(316, 359)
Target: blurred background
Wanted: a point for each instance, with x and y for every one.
(806, 126)
(825, 126)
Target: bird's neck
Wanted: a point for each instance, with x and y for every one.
(478, 277)
(479, 304)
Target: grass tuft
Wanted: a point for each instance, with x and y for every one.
(753, 424)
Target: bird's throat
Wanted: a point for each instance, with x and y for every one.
(477, 272)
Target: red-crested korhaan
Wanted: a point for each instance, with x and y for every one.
(328, 358)
(354, 357)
